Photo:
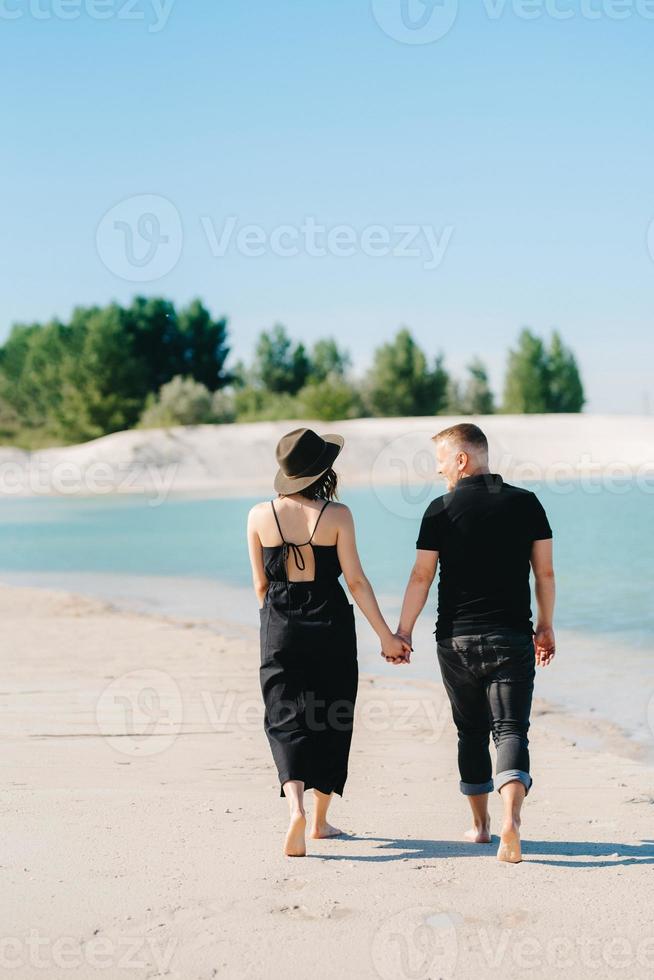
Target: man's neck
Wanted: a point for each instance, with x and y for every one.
(480, 471)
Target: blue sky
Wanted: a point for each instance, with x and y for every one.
(523, 145)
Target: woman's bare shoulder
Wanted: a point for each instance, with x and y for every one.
(257, 510)
(340, 513)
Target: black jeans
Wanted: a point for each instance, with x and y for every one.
(489, 680)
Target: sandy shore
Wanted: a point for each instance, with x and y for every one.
(222, 459)
(142, 825)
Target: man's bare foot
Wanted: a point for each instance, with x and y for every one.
(324, 830)
(510, 849)
(294, 845)
(479, 835)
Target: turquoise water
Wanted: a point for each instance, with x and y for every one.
(604, 557)
(188, 556)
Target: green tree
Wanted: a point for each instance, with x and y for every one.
(181, 401)
(13, 358)
(204, 348)
(330, 400)
(540, 379)
(222, 405)
(327, 359)
(9, 421)
(31, 362)
(98, 377)
(526, 381)
(454, 398)
(255, 404)
(279, 365)
(565, 389)
(477, 396)
(170, 344)
(474, 397)
(93, 374)
(155, 341)
(400, 381)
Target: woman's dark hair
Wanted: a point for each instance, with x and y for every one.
(324, 488)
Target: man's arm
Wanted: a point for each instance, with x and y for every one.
(543, 569)
(417, 590)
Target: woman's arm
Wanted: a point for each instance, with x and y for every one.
(259, 580)
(360, 587)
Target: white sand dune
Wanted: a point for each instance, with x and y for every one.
(240, 457)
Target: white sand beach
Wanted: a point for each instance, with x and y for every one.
(237, 458)
(143, 827)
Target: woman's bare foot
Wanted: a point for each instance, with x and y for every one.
(510, 849)
(324, 830)
(479, 834)
(320, 827)
(295, 845)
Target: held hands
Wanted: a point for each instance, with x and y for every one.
(544, 645)
(396, 649)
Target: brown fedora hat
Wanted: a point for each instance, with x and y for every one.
(303, 456)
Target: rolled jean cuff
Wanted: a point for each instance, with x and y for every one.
(476, 789)
(512, 776)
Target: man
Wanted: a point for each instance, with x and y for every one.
(486, 535)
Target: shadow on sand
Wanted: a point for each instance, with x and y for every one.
(596, 854)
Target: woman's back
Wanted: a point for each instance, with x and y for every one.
(299, 538)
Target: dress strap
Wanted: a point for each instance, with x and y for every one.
(322, 511)
(279, 527)
(288, 546)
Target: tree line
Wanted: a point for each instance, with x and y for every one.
(150, 364)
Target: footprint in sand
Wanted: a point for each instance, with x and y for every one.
(294, 884)
(333, 911)
(294, 911)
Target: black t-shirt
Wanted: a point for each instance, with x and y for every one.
(483, 532)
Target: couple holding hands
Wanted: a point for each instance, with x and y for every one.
(486, 535)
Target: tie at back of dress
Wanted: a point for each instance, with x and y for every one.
(294, 558)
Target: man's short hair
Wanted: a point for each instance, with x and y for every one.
(465, 436)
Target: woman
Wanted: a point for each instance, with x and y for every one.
(298, 547)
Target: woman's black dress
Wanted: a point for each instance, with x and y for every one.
(309, 667)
